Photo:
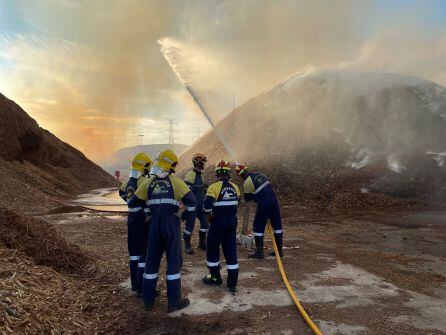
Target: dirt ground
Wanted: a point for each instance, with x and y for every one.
(356, 273)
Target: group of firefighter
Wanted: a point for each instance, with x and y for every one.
(158, 201)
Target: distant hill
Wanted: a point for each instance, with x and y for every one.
(120, 160)
(35, 166)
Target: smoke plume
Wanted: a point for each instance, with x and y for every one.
(92, 72)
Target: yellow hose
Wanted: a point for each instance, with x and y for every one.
(299, 306)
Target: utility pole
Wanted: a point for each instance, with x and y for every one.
(171, 131)
(197, 133)
(140, 138)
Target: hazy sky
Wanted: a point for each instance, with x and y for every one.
(91, 71)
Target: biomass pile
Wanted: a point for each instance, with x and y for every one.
(36, 167)
(335, 139)
(47, 285)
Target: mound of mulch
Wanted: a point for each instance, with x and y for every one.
(318, 178)
(37, 299)
(40, 241)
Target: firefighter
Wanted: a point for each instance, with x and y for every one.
(220, 206)
(137, 222)
(194, 179)
(257, 188)
(162, 192)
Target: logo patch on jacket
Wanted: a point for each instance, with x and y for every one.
(260, 179)
(161, 186)
(228, 193)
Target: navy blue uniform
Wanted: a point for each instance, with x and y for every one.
(222, 201)
(163, 196)
(257, 188)
(137, 229)
(194, 179)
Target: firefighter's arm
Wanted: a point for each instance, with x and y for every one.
(248, 189)
(145, 183)
(122, 193)
(185, 195)
(211, 194)
(189, 179)
(139, 198)
(208, 205)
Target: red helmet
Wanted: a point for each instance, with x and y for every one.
(241, 169)
(223, 167)
(199, 160)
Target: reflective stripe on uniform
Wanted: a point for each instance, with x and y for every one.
(150, 275)
(187, 232)
(226, 203)
(261, 187)
(163, 201)
(232, 266)
(190, 209)
(204, 230)
(258, 234)
(173, 277)
(141, 265)
(210, 264)
(134, 209)
(147, 210)
(280, 231)
(207, 210)
(135, 258)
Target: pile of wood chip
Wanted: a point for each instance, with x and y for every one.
(40, 240)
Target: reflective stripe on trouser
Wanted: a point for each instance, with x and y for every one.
(140, 272)
(133, 264)
(222, 232)
(267, 211)
(136, 243)
(164, 236)
(190, 222)
(232, 274)
(173, 283)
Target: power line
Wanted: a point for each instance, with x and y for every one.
(172, 123)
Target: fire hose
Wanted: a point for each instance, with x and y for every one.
(293, 295)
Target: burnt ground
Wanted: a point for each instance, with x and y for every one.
(356, 273)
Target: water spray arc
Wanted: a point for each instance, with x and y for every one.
(169, 51)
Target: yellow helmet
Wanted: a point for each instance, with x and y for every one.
(167, 160)
(141, 162)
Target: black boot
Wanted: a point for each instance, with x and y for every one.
(149, 306)
(187, 247)
(278, 238)
(182, 303)
(202, 242)
(214, 278)
(211, 280)
(258, 254)
(232, 289)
